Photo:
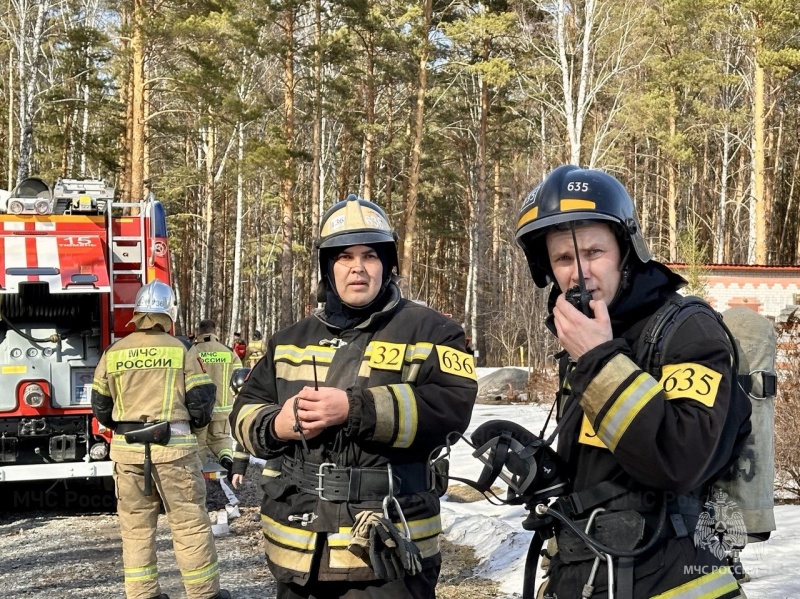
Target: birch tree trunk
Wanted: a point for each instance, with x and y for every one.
(235, 324)
(29, 50)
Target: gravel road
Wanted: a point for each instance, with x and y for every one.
(63, 542)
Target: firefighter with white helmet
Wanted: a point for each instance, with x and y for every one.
(153, 393)
(220, 361)
(352, 399)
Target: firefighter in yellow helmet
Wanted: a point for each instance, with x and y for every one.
(352, 399)
(220, 361)
(153, 393)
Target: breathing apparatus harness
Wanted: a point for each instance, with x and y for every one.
(534, 473)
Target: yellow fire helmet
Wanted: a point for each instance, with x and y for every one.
(355, 221)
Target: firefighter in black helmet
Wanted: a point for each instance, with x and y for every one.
(640, 451)
(353, 399)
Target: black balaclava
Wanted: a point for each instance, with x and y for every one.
(337, 312)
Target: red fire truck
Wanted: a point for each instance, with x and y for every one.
(71, 262)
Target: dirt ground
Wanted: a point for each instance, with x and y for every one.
(63, 541)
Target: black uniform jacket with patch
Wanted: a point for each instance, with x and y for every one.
(651, 435)
(409, 383)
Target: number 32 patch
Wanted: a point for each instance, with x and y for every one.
(456, 362)
(691, 381)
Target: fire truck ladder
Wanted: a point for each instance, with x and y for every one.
(126, 250)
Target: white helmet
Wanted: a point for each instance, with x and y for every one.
(156, 298)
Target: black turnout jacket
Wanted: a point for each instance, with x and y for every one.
(663, 439)
(409, 382)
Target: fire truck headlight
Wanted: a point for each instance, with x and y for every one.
(16, 207)
(33, 395)
(42, 207)
(98, 451)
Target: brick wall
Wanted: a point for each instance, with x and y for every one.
(769, 290)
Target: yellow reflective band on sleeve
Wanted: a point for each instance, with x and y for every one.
(576, 204)
(196, 379)
(168, 401)
(144, 358)
(288, 536)
(626, 407)
(717, 584)
(386, 356)
(456, 362)
(101, 387)
(418, 352)
(384, 414)
(201, 574)
(691, 381)
(406, 415)
(148, 572)
(216, 357)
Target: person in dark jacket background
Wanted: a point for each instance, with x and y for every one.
(640, 451)
(352, 399)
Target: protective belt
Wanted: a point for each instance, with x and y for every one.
(333, 483)
(180, 427)
(147, 433)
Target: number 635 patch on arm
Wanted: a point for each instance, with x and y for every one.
(690, 381)
(456, 362)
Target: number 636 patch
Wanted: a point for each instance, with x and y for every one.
(456, 362)
(690, 381)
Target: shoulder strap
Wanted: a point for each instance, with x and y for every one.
(660, 329)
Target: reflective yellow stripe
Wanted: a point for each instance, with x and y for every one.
(528, 216)
(406, 415)
(293, 353)
(148, 572)
(420, 351)
(289, 559)
(384, 414)
(201, 574)
(420, 529)
(196, 379)
(288, 536)
(168, 397)
(101, 387)
(301, 372)
(175, 442)
(575, 204)
(145, 358)
(626, 407)
(718, 583)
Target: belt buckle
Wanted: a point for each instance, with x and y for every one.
(321, 478)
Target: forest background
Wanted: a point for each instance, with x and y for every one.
(249, 118)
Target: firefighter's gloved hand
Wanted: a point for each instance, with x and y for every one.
(378, 541)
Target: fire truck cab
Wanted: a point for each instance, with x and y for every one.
(71, 262)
